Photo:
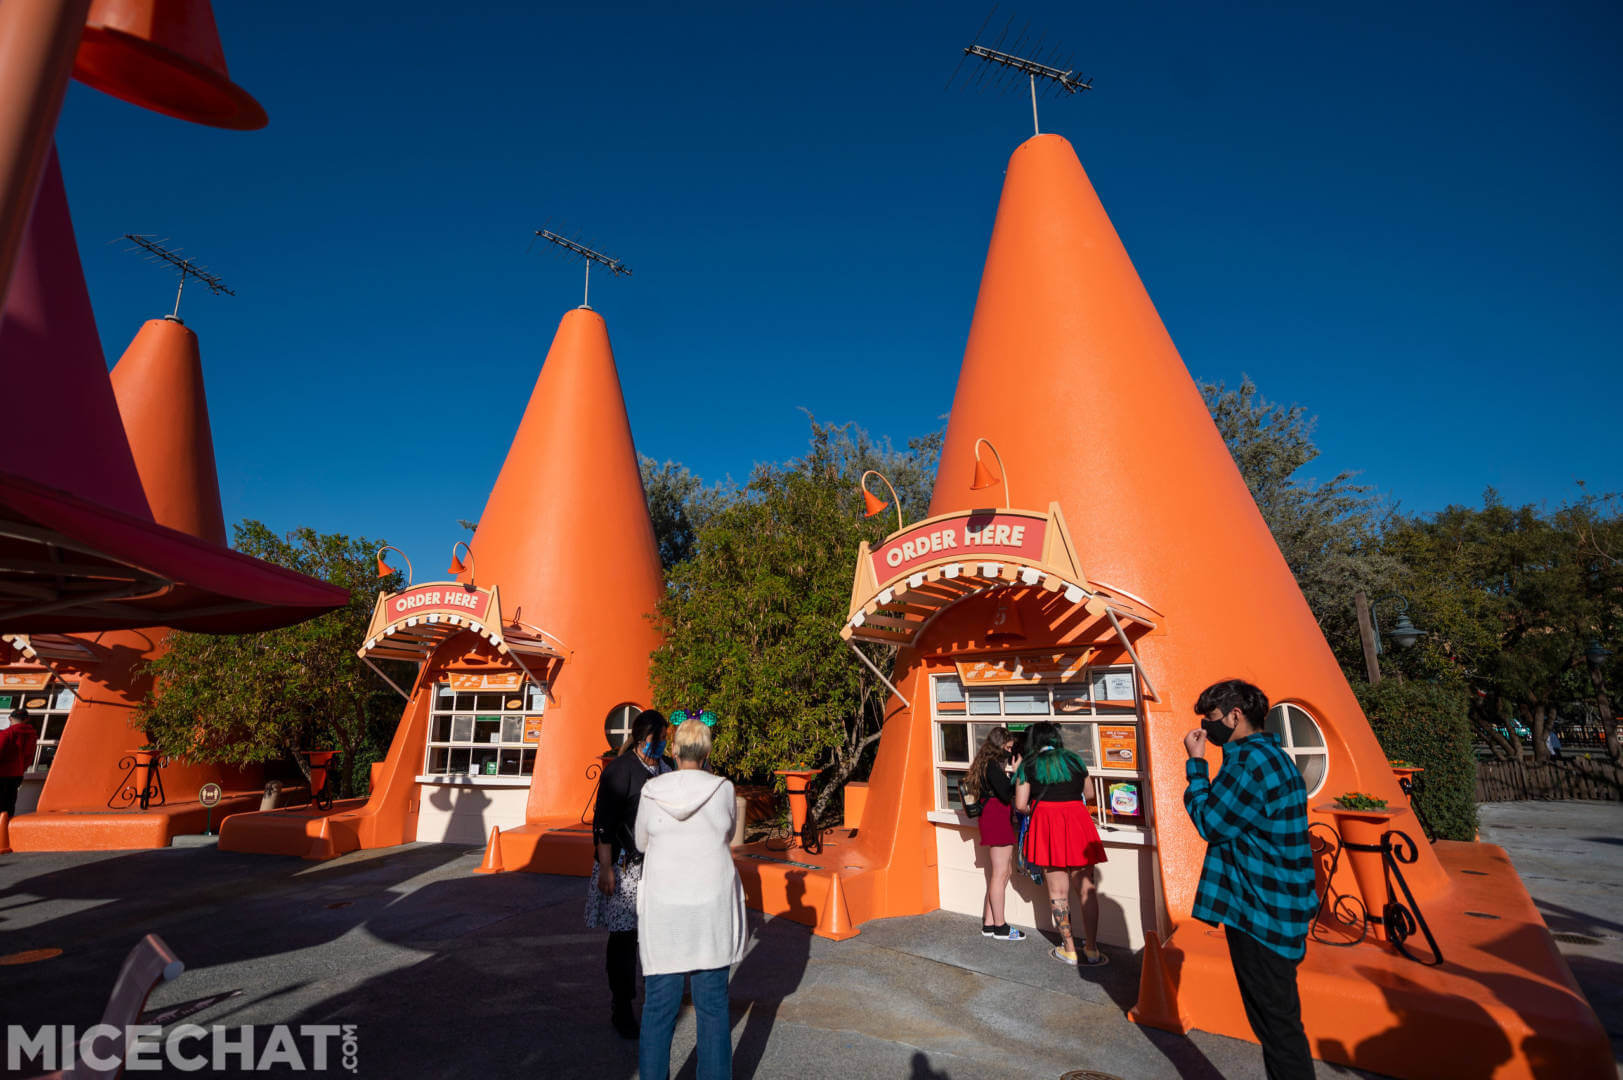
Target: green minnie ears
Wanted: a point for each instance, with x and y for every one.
(707, 718)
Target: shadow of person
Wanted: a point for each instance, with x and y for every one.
(770, 971)
(1476, 1045)
(923, 1070)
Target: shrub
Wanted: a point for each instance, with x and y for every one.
(1426, 724)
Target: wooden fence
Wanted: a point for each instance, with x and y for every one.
(1574, 778)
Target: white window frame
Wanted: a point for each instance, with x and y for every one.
(533, 702)
(944, 769)
(627, 712)
(1287, 740)
(55, 693)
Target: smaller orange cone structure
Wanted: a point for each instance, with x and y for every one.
(835, 923)
(5, 834)
(493, 854)
(159, 385)
(1157, 995)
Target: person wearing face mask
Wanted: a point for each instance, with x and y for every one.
(611, 894)
(1257, 882)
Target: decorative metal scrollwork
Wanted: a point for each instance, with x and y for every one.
(133, 788)
(1346, 911)
(594, 771)
(1403, 919)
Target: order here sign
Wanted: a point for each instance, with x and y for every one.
(982, 534)
(444, 599)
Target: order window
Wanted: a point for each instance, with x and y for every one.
(1098, 717)
(48, 710)
(484, 732)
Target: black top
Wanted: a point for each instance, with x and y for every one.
(997, 781)
(614, 822)
(1073, 789)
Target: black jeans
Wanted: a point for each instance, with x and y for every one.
(8, 794)
(621, 964)
(1268, 991)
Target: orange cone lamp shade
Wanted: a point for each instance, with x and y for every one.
(384, 569)
(164, 55)
(872, 504)
(985, 476)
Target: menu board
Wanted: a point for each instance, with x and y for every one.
(1113, 686)
(1118, 746)
(532, 729)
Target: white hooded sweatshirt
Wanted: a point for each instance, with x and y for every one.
(690, 906)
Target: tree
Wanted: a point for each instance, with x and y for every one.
(1329, 532)
(261, 697)
(751, 617)
(679, 505)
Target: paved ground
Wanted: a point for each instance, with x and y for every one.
(452, 974)
(1570, 856)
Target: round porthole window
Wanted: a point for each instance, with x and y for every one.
(618, 725)
(1302, 738)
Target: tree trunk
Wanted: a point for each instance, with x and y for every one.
(844, 766)
(1485, 715)
(304, 770)
(1540, 721)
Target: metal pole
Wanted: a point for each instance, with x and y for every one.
(1366, 637)
(178, 289)
(586, 296)
(1034, 128)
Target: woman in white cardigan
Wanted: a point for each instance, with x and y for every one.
(690, 909)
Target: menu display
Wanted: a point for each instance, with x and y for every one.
(1118, 747)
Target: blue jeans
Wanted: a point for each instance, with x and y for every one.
(661, 999)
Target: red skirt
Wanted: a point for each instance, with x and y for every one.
(997, 826)
(1062, 835)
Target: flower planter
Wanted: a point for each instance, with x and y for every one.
(1361, 839)
(796, 780)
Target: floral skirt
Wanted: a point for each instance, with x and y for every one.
(618, 910)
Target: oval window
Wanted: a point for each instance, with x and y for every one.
(618, 725)
(1302, 738)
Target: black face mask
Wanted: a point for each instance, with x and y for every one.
(1217, 732)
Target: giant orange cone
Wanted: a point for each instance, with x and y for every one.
(159, 385)
(1121, 438)
(565, 536)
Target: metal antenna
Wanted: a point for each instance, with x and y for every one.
(589, 256)
(156, 252)
(1065, 79)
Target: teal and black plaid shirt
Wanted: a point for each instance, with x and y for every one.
(1258, 876)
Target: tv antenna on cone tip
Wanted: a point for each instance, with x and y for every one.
(157, 252)
(1057, 75)
(587, 255)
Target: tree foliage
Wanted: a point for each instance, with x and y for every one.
(261, 697)
(750, 617)
(1425, 723)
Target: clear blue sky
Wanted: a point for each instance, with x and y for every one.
(1404, 217)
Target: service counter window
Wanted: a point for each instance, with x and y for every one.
(1098, 716)
(48, 710)
(484, 732)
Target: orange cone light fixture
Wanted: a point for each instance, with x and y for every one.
(164, 55)
(458, 567)
(873, 504)
(1006, 625)
(985, 476)
(384, 569)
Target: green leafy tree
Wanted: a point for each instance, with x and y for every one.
(679, 505)
(751, 617)
(1329, 531)
(254, 698)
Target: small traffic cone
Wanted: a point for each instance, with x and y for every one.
(835, 922)
(322, 847)
(5, 834)
(1157, 996)
(493, 853)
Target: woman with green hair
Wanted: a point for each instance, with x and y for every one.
(1051, 785)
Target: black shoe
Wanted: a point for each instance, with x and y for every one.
(988, 931)
(625, 1022)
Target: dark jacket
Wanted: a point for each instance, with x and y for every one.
(615, 820)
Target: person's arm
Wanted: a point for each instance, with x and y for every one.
(605, 822)
(641, 830)
(1022, 797)
(998, 781)
(1224, 808)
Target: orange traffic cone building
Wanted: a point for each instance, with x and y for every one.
(89, 798)
(533, 655)
(1118, 539)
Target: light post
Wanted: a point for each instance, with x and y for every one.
(1404, 632)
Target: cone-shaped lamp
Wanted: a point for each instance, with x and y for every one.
(159, 385)
(872, 504)
(164, 55)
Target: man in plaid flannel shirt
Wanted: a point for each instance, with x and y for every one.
(1257, 881)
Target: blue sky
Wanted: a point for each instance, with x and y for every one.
(1402, 216)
